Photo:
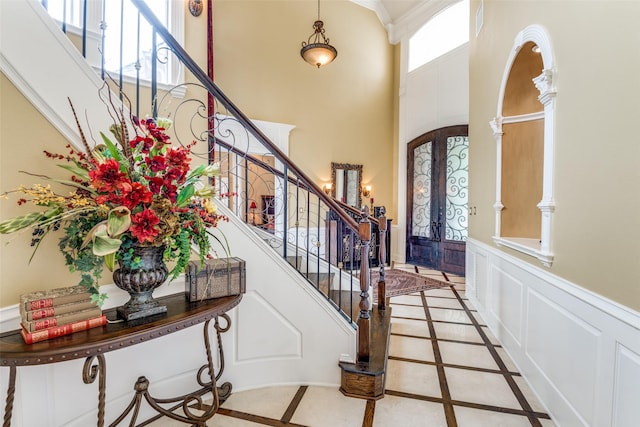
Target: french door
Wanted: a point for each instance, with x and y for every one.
(437, 205)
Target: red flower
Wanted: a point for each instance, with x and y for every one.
(135, 194)
(107, 176)
(147, 143)
(144, 226)
(177, 157)
(155, 184)
(170, 191)
(156, 163)
(176, 174)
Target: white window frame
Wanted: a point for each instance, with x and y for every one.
(414, 49)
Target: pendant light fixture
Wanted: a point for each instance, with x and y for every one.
(317, 50)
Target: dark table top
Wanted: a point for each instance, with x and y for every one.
(116, 334)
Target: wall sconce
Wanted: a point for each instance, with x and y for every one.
(327, 188)
(366, 190)
(195, 7)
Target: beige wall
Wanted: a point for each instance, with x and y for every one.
(24, 134)
(596, 230)
(343, 112)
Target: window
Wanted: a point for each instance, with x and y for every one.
(123, 23)
(137, 44)
(443, 33)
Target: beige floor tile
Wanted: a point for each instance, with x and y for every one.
(413, 378)
(411, 348)
(407, 311)
(469, 417)
(262, 401)
(443, 302)
(413, 299)
(326, 406)
(395, 411)
(466, 355)
(480, 387)
(529, 395)
(457, 332)
(224, 421)
(442, 292)
(511, 366)
(418, 328)
(489, 334)
(445, 315)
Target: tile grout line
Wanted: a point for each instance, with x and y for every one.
(288, 414)
(451, 365)
(535, 422)
(464, 404)
(444, 387)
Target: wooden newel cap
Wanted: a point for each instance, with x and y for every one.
(364, 230)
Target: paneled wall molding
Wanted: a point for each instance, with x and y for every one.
(578, 350)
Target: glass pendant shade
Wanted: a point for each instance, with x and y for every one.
(317, 50)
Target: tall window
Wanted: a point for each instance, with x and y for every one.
(128, 43)
(443, 33)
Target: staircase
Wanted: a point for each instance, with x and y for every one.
(301, 213)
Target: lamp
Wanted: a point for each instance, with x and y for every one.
(253, 208)
(317, 50)
(195, 7)
(327, 188)
(366, 190)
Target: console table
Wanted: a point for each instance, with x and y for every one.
(94, 343)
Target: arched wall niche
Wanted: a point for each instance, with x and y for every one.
(524, 133)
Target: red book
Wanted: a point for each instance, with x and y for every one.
(58, 310)
(58, 331)
(61, 320)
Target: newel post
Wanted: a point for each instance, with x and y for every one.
(364, 231)
(382, 258)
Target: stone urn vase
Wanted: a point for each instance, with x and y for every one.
(139, 280)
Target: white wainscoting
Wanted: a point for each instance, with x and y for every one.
(579, 351)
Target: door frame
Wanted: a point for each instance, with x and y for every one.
(444, 255)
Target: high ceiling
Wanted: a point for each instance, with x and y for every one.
(390, 11)
(398, 8)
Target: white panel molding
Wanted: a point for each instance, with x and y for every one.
(280, 340)
(505, 305)
(580, 351)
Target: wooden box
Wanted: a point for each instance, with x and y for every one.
(217, 278)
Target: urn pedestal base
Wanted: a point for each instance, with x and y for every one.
(141, 304)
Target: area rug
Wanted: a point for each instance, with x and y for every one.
(401, 282)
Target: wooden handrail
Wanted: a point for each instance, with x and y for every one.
(201, 76)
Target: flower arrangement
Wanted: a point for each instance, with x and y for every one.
(134, 191)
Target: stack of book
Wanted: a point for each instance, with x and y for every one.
(57, 312)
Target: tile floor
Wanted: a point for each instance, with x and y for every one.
(445, 369)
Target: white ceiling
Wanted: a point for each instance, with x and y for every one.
(390, 11)
(398, 8)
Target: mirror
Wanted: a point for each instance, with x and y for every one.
(346, 182)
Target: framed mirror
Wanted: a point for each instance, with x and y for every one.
(346, 182)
